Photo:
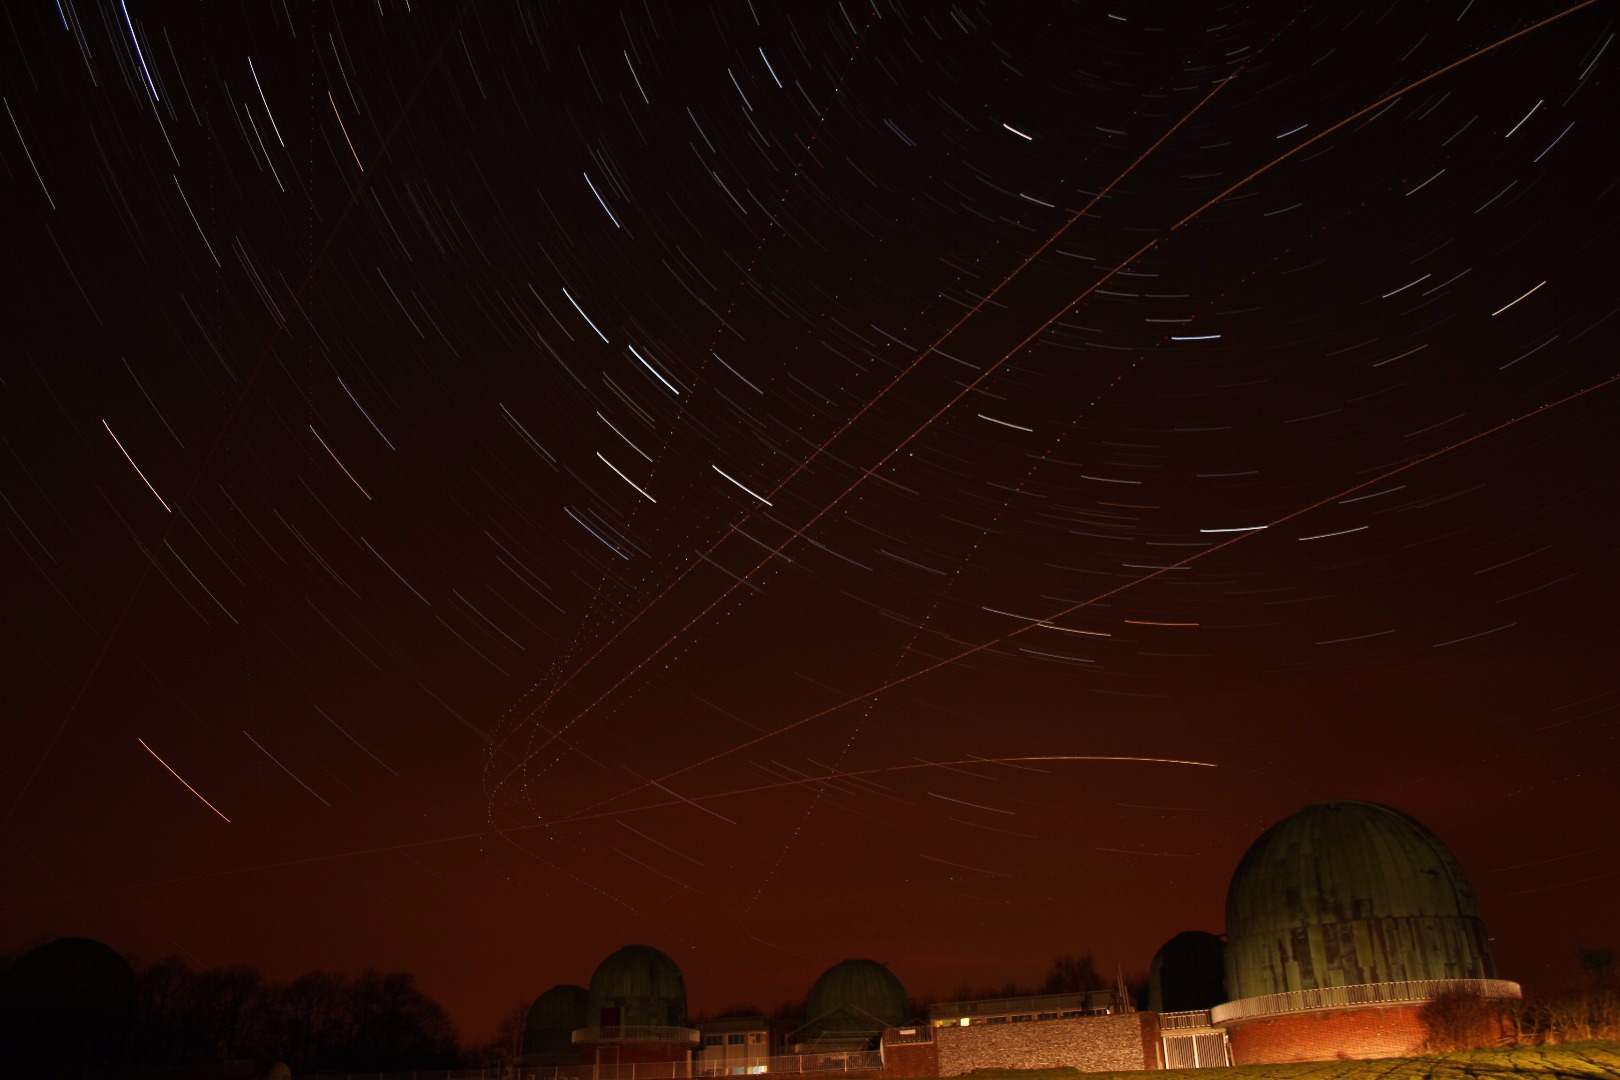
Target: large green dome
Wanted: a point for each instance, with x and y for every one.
(1345, 893)
(638, 986)
(854, 996)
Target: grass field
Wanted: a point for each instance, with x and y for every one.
(1571, 1061)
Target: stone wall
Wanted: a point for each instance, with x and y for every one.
(1328, 1034)
(1087, 1043)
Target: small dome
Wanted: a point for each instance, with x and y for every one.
(854, 996)
(1188, 972)
(549, 1028)
(1345, 893)
(638, 986)
(70, 1002)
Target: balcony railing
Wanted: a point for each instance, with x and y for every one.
(1340, 997)
(1092, 1002)
(637, 1033)
(920, 1033)
(1191, 1018)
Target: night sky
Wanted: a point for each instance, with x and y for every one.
(783, 482)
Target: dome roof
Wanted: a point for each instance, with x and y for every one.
(69, 1002)
(552, 1020)
(1344, 893)
(1188, 972)
(562, 1008)
(638, 986)
(855, 996)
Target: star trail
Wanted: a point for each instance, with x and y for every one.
(793, 481)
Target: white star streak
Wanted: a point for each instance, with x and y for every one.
(182, 779)
(340, 464)
(136, 467)
(625, 478)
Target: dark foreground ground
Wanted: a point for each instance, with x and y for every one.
(1571, 1061)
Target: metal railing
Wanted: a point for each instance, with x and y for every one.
(1091, 1002)
(1189, 1018)
(1339, 997)
(786, 1064)
(922, 1033)
(637, 1033)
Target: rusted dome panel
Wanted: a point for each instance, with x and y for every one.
(1343, 893)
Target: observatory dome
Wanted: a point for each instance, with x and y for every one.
(638, 986)
(69, 1002)
(1188, 972)
(854, 996)
(1347, 893)
(551, 1022)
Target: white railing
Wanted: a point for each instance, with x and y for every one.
(905, 1036)
(788, 1064)
(1191, 1018)
(1340, 997)
(1092, 1001)
(636, 1033)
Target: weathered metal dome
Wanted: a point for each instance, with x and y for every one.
(854, 996)
(552, 1020)
(1188, 972)
(638, 986)
(1346, 893)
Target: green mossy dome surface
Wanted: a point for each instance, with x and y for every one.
(643, 983)
(855, 995)
(1345, 893)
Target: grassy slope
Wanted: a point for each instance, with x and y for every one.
(1572, 1061)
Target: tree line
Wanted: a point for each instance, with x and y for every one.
(1464, 1019)
(175, 1015)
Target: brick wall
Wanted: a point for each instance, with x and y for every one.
(1329, 1034)
(910, 1059)
(1087, 1043)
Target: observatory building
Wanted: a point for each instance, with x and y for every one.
(67, 1004)
(635, 1011)
(1341, 920)
(548, 1029)
(853, 1001)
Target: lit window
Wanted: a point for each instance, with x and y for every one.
(756, 1037)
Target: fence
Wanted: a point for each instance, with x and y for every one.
(636, 1033)
(1093, 1002)
(906, 1035)
(1338, 997)
(1192, 1018)
(783, 1065)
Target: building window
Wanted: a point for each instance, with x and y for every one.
(756, 1037)
(711, 1040)
(734, 1040)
